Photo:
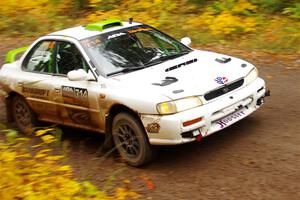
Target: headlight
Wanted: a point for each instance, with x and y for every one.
(251, 76)
(179, 105)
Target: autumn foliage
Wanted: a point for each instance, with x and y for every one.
(207, 22)
(34, 172)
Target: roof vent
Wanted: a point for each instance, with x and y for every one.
(100, 26)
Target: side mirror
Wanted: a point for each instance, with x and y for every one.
(80, 75)
(186, 41)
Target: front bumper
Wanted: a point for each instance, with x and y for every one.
(216, 115)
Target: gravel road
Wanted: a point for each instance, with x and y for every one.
(256, 158)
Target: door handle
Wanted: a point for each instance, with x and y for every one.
(20, 83)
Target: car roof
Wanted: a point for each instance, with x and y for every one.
(81, 32)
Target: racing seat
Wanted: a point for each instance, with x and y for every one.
(69, 58)
(125, 46)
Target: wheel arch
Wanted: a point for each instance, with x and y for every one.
(116, 109)
(113, 111)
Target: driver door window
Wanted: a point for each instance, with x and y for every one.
(68, 58)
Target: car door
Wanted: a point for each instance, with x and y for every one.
(77, 100)
(35, 82)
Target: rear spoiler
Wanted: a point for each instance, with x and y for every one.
(11, 55)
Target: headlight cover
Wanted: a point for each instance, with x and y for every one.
(179, 105)
(253, 74)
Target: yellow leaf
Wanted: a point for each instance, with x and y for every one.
(54, 158)
(64, 168)
(8, 156)
(48, 139)
(126, 181)
(41, 155)
(122, 193)
(22, 139)
(37, 145)
(44, 151)
(43, 131)
(26, 155)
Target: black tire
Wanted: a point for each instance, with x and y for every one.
(130, 140)
(22, 114)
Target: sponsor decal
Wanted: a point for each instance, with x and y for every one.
(227, 120)
(153, 128)
(35, 91)
(79, 117)
(92, 42)
(221, 80)
(115, 35)
(138, 30)
(75, 96)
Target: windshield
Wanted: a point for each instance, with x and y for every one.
(132, 49)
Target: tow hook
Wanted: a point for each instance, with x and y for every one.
(199, 138)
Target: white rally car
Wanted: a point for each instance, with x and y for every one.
(130, 81)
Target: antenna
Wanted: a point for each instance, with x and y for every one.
(130, 20)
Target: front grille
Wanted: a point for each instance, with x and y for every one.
(223, 90)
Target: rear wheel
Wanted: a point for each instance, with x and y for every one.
(23, 115)
(130, 140)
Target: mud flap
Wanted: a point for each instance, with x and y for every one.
(108, 142)
(107, 147)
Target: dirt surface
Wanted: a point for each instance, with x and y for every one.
(256, 158)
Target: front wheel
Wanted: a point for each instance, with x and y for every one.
(23, 115)
(130, 140)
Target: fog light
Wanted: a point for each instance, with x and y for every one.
(260, 101)
(187, 134)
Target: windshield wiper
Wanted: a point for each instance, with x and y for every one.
(165, 58)
(153, 62)
(129, 69)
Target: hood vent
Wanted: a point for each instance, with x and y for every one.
(182, 64)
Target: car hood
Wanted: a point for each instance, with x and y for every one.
(189, 75)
